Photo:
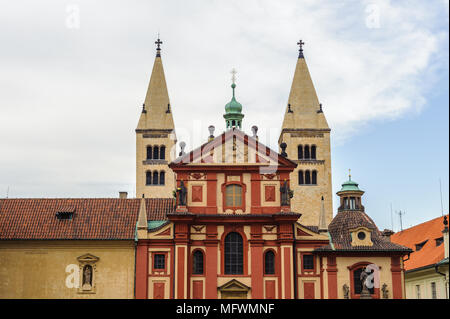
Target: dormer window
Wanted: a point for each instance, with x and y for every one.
(361, 236)
(64, 215)
(439, 241)
(420, 245)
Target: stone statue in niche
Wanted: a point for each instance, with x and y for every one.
(182, 194)
(385, 291)
(346, 291)
(365, 293)
(285, 194)
(87, 277)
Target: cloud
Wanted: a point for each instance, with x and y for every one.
(71, 92)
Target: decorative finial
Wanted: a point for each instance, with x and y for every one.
(254, 131)
(283, 149)
(320, 108)
(182, 146)
(143, 108)
(300, 51)
(349, 174)
(233, 76)
(289, 109)
(158, 48)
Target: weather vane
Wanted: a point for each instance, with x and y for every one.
(233, 75)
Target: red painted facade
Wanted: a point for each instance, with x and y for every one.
(256, 215)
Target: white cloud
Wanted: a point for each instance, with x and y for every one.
(70, 97)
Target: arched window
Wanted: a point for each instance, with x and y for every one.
(313, 152)
(269, 263)
(307, 155)
(155, 178)
(314, 177)
(162, 178)
(301, 178)
(149, 152)
(162, 152)
(233, 122)
(197, 263)
(300, 152)
(233, 195)
(308, 177)
(155, 152)
(234, 254)
(148, 178)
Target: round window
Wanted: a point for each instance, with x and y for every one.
(361, 235)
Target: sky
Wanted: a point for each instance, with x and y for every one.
(74, 75)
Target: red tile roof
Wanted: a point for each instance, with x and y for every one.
(430, 253)
(93, 218)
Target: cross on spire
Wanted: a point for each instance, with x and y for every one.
(300, 51)
(233, 75)
(158, 48)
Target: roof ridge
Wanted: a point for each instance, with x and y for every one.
(428, 221)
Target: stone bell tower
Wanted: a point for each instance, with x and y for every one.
(307, 135)
(155, 138)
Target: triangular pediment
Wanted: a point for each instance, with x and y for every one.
(234, 147)
(88, 258)
(234, 286)
(305, 233)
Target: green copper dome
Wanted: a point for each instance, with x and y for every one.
(233, 116)
(350, 186)
(233, 106)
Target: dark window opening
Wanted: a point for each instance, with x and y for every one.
(307, 155)
(64, 215)
(162, 178)
(300, 152)
(149, 152)
(155, 152)
(420, 245)
(308, 177)
(314, 178)
(234, 254)
(155, 178)
(361, 235)
(313, 152)
(269, 263)
(159, 261)
(148, 178)
(439, 241)
(308, 262)
(197, 263)
(162, 152)
(301, 179)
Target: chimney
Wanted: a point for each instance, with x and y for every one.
(123, 195)
(387, 233)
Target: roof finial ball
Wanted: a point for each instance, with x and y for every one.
(211, 129)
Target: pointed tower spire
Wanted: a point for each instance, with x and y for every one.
(155, 137)
(156, 110)
(304, 109)
(305, 130)
(322, 218)
(142, 219)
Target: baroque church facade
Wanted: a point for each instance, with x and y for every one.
(232, 218)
